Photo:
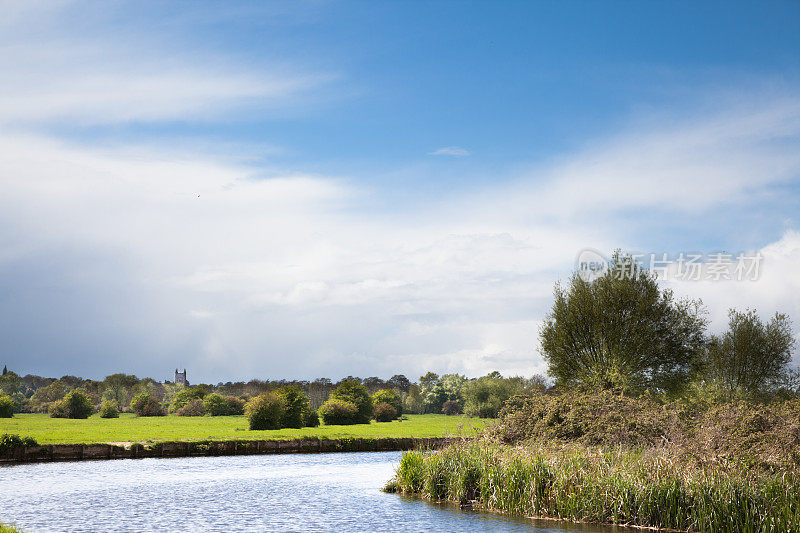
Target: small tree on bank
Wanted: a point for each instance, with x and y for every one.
(752, 357)
(358, 395)
(74, 405)
(265, 411)
(622, 330)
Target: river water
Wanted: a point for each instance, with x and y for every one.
(315, 492)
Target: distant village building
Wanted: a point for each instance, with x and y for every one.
(180, 377)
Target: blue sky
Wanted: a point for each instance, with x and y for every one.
(332, 188)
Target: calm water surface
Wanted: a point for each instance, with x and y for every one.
(321, 492)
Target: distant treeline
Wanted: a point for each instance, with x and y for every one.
(449, 393)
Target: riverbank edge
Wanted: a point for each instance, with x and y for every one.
(213, 448)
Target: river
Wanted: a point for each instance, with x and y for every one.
(315, 492)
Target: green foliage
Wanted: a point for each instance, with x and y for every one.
(144, 404)
(622, 330)
(358, 395)
(645, 488)
(390, 396)
(9, 442)
(384, 412)
(751, 357)
(74, 405)
(297, 406)
(451, 408)
(338, 412)
(193, 408)
(6, 406)
(311, 419)
(219, 405)
(265, 411)
(109, 409)
(9, 529)
(185, 396)
(484, 397)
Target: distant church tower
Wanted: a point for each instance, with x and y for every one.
(180, 377)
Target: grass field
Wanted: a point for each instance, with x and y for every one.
(129, 428)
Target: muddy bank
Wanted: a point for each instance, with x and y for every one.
(81, 452)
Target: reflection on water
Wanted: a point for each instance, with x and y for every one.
(321, 492)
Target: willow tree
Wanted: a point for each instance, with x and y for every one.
(622, 330)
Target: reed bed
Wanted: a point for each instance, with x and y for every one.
(612, 484)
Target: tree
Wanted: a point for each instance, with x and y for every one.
(144, 404)
(74, 405)
(296, 406)
(391, 397)
(751, 357)
(399, 381)
(622, 330)
(265, 411)
(358, 395)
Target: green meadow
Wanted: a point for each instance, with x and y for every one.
(129, 428)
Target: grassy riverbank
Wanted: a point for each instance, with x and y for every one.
(129, 428)
(604, 485)
(606, 458)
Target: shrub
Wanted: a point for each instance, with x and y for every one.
(74, 405)
(109, 409)
(145, 404)
(6, 406)
(193, 408)
(384, 412)
(311, 418)
(297, 406)
(185, 396)
(338, 412)
(485, 396)
(9, 442)
(358, 395)
(391, 397)
(265, 411)
(219, 405)
(451, 408)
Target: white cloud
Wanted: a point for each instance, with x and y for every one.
(456, 151)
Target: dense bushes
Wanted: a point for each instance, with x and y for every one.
(484, 396)
(74, 405)
(9, 442)
(391, 397)
(296, 406)
(451, 408)
(338, 412)
(265, 411)
(6, 406)
(185, 396)
(145, 404)
(193, 408)
(109, 409)
(358, 395)
(219, 405)
(384, 412)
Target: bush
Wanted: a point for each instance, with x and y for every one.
(384, 412)
(74, 405)
(311, 419)
(109, 409)
(391, 397)
(219, 405)
(193, 408)
(9, 442)
(358, 395)
(265, 411)
(297, 406)
(339, 413)
(145, 404)
(6, 406)
(451, 408)
(185, 396)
